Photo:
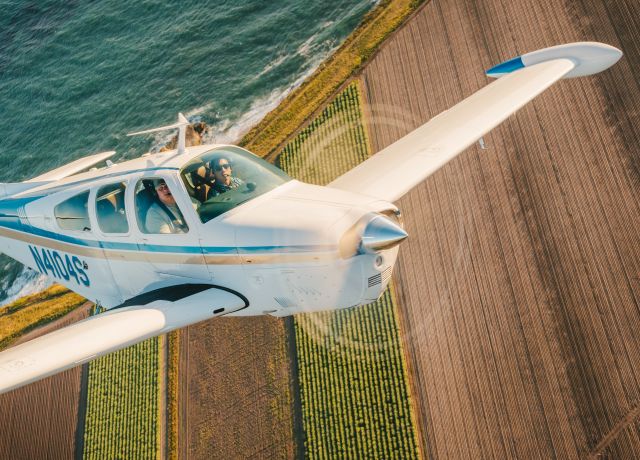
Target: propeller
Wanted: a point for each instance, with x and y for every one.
(323, 152)
(381, 233)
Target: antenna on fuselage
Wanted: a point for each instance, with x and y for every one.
(182, 131)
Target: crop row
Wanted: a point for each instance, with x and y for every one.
(333, 143)
(173, 342)
(122, 404)
(353, 380)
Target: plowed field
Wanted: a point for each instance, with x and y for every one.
(520, 281)
(235, 398)
(40, 420)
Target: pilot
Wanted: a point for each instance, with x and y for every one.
(223, 173)
(163, 215)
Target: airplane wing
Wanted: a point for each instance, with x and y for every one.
(395, 170)
(111, 331)
(73, 167)
(13, 188)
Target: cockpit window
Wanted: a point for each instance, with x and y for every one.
(73, 214)
(222, 179)
(110, 208)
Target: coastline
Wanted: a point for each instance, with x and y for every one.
(299, 107)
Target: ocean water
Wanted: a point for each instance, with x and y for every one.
(76, 76)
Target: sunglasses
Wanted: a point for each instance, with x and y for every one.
(162, 187)
(221, 167)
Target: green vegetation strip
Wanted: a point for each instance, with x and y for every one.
(122, 404)
(173, 394)
(27, 313)
(353, 378)
(300, 105)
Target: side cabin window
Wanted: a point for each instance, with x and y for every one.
(110, 208)
(156, 208)
(73, 214)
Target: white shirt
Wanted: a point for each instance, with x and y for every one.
(158, 221)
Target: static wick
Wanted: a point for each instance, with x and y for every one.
(483, 146)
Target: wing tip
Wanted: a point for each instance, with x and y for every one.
(505, 67)
(588, 57)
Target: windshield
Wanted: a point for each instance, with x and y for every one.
(224, 178)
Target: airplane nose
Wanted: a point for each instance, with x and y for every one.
(381, 233)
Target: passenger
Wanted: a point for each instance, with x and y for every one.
(223, 173)
(163, 215)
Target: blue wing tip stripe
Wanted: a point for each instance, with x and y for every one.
(506, 67)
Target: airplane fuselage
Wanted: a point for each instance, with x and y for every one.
(286, 251)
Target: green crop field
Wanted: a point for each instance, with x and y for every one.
(122, 404)
(353, 379)
(29, 312)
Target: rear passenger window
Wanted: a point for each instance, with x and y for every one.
(72, 214)
(110, 208)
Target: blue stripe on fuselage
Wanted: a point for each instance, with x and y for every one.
(9, 219)
(15, 224)
(9, 207)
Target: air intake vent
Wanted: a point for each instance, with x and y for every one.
(381, 277)
(386, 274)
(375, 279)
(23, 216)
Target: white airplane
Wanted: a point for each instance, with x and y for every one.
(160, 244)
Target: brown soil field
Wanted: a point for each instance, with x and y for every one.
(520, 281)
(40, 420)
(235, 390)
